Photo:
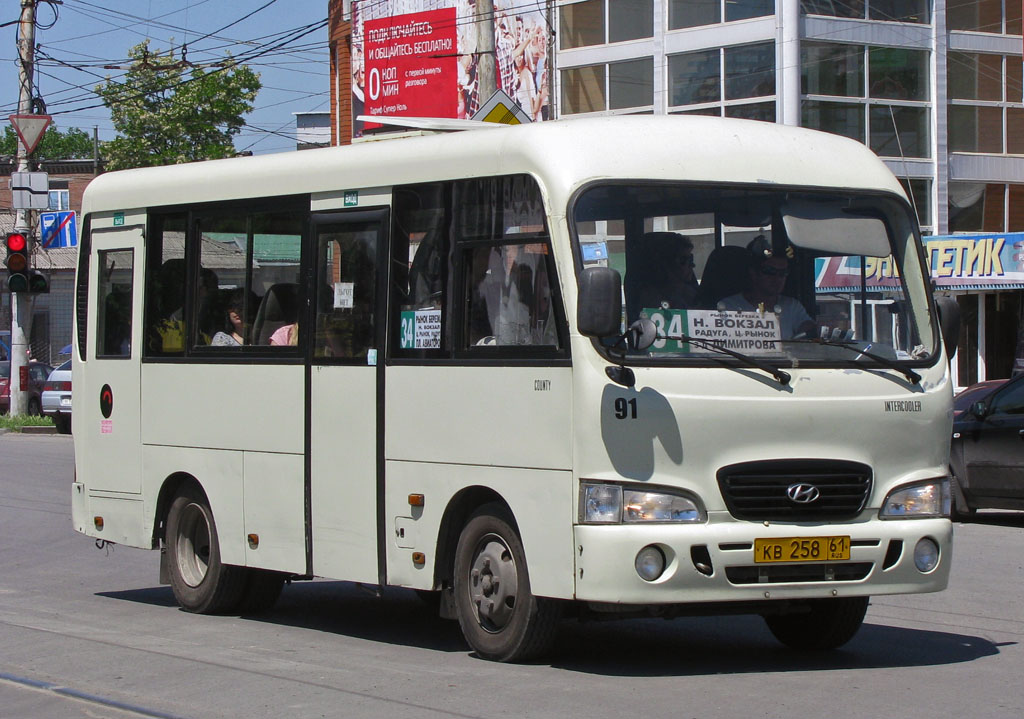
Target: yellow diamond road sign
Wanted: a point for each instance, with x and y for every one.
(502, 109)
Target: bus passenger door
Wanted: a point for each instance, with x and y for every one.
(106, 406)
(344, 411)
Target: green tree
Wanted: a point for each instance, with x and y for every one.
(167, 112)
(74, 144)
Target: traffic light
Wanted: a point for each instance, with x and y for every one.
(17, 262)
(38, 283)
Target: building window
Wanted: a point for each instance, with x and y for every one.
(975, 129)
(832, 69)
(898, 74)
(697, 13)
(976, 207)
(630, 85)
(899, 10)
(863, 76)
(831, 8)
(974, 76)
(749, 72)
(596, 22)
(763, 111)
(694, 77)
(583, 89)
(899, 131)
(915, 11)
(746, 9)
(919, 192)
(59, 200)
(630, 20)
(840, 118)
(984, 16)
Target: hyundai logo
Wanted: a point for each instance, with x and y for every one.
(802, 493)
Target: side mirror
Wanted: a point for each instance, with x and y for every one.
(949, 322)
(979, 410)
(641, 334)
(599, 312)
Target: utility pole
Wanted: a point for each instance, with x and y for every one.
(26, 60)
(486, 68)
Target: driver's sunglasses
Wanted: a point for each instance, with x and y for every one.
(774, 271)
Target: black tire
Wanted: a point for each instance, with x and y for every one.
(63, 423)
(827, 623)
(201, 583)
(262, 589)
(34, 408)
(959, 511)
(500, 618)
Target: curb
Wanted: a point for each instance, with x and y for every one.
(31, 429)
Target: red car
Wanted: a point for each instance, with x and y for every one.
(37, 374)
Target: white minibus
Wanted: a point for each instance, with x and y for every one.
(608, 367)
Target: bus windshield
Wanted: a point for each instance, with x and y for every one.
(784, 275)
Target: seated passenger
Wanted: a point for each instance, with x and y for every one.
(767, 279)
(236, 324)
(659, 273)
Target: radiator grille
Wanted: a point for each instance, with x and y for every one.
(786, 573)
(758, 491)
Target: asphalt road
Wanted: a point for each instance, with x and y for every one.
(89, 632)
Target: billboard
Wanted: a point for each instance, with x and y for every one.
(956, 262)
(419, 58)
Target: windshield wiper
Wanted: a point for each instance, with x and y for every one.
(782, 377)
(910, 374)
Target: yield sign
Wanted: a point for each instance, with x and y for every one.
(30, 129)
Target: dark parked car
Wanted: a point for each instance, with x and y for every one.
(37, 374)
(987, 455)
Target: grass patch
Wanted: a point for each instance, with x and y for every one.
(23, 420)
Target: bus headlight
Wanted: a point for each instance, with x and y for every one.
(613, 504)
(927, 499)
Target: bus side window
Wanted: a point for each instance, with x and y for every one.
(165, 287)
(114, 309)
(347, 282)
(421, 266)
(509, 296)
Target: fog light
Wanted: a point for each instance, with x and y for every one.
(650, 563)
(926, 555)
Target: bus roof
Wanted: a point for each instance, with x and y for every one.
(563, 154)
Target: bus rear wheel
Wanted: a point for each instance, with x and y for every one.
(825, 623)
(500, 618)
(201, 583)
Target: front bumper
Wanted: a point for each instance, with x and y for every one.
(881, 561)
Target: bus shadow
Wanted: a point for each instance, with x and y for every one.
(742, 645)
(997, 519)
(688, 646)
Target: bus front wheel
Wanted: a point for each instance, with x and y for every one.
(201, 583)
(500, 618)
(824, 623)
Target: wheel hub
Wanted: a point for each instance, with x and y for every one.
(193, 545)
(493, 583)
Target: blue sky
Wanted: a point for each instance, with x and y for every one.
(76, 39)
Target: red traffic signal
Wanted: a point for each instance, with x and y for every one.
(17, 262)
(16, 242)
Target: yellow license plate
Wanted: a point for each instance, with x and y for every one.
(802, 549)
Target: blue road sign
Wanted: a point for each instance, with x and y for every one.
(58, 229)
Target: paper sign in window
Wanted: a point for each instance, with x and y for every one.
(343, 294)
